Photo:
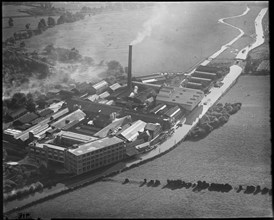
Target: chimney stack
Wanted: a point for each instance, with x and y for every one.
(129, 83)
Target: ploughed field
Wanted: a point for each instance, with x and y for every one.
(237, 153)
(177, 42)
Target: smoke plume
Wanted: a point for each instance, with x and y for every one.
(158, 13)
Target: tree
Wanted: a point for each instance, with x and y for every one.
(40, 26)
(49, 49)
(43, 21)
(51, 21)
(10, 22)
(18, 99)
(30, 106)
(114, 68)
(61, 19)
(41, 103)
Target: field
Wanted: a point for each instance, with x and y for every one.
(246, 23)
(237, 153)
(177, 42)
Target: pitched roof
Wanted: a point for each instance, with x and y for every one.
(76, 115)
(115, 86)
(17, 112)
(92, 98)
(133, 131)
(104, 95)
(119, 122)
(95, 145)
(100, 84)
(45, 112)
(207, 69)
(27, 118)
(152, 126)
(76, 136)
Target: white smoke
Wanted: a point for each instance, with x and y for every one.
(158, 13)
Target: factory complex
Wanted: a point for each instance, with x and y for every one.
(100, 124)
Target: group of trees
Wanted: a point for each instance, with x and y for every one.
(24, 191)
(17, 69)
(114, 6)
(68, 17)
(19, 100)
(42, 26)
(114, 72)
(63, 54)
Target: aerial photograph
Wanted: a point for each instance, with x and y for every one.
(136, 110)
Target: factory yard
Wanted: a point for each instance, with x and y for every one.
(237, 153)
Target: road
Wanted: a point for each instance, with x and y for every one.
(259, 36)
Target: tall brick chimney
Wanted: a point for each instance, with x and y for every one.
(129, 83)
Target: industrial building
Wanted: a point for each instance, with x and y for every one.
(86, 135)
(147, 85)
(152, 78)
(163, 111)
(76, 115)
(104, 95)
(25, 119)
(85, 129)
(206, 75)
(17, 114)
(112, 128)
(206, 72)
(86, 157)
(100, 87)
(204, 81)
(158, 108)
(194, 85)
(153, 129)
(92, 98)
(96, 154)
(47, 152)
(132, 132)
(56, 106)
(186, 98)
(103, 101)
(110, 102)
(67, 138)
(22, 137)
(207, 69)
(45, 112)
(114, 87)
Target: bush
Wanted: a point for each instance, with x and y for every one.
(51, 21)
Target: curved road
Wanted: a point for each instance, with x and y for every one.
(224, 47)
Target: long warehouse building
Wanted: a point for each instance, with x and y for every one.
(186, 98)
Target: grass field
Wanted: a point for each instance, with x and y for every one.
(180, 40)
